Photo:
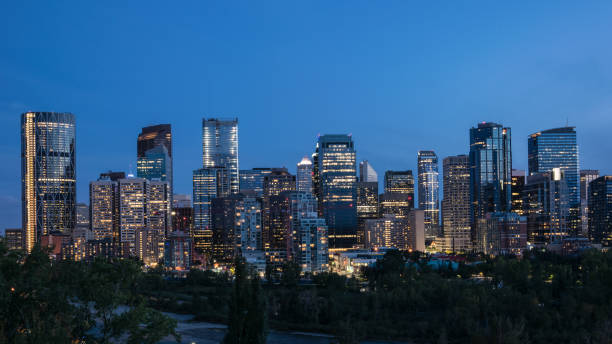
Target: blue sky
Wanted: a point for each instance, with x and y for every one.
(400, 76)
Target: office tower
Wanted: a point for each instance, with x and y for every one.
(224, 220)
(401, 182)
(416, 230)
(277, 181)
(429, 186)
(501, 234)
(249, 225)
(547, 207)
(277, 227)
(182, 213)
(395, 203)
(557, 148)
(367, 172)
(312, 250)
(334, 179)
(132, 211)
(178, 251)
(208, 183)
(586, 177)
(490, 170)
(600, 211)
(220, 147)
(104, 208)
(456, 203)
(387, 231)
(251, 181)
(158, 207)
(13, 238)
(518, 186)
(111, 175)
(154, 153)
(367, 207)
(48, 174)
(304, 175)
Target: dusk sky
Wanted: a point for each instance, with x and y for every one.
(400, 76)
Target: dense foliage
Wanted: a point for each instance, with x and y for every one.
(67, 302)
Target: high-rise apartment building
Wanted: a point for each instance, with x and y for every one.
(456, 203)
(132, 211)
(48, 175)
(429, 186)
(558, 148)
(335, 178)
(304, 175)
(104, 209)
(586, 177)
(220, 147)
(490, 170)
(600, 211)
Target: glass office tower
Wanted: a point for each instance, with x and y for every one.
(600, 211)
(429, 186)
(220, 147)
(367, 173)
(208, 183)
(335, 178)
(456, 203)
(304, 175)
(154, 153)
(586, 177)
(490, 170)
(251, 181)
(401, 182)
(557, 148)
(48, 174)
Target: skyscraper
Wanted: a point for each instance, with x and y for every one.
(456, 203)
(251, 181)
(557, 148)
(367, 206)
(153, 136)
(48, 174)
(132, 211)
(518, 185)
(182, 213)
(367, 172)
(104, 209)
(276, 223)
(304, 175)
(220, 147)
(154, 151)
(586, 177)
(429, 186)
(600, 211)
(490, 170)
(335, 178)
(208, 183)
(400, 182)
(546, 205)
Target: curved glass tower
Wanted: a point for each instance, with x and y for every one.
(220, 147)
(428, 190)
(48, 174)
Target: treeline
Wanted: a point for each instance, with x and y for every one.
(539, 298)
(70, 302)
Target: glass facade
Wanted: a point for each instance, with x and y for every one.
(208, 183)
(335, 178)
(251, 181)
(367, 207)
(48, 174)
(429, 186)
(586, 177)
(456, 219)
(518, 185)
(304, 175)
(367, 172)
(400, 182)
(490, 170)
(220, 147)
(600, 211)
(104, 208)
(558, 148)
(154, 153)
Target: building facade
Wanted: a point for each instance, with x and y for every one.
(220, 148)
(367, 173)
(400, 182)
(518, 186)
(456, 204)
(429, 186)
(304, 175)
(251, 181)
(586, 177)
(600, 211)
(48, 174)
(208, 183)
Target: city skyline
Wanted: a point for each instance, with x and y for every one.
(572, 89)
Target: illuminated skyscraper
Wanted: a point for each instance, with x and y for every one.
(251, 181)
(518, 184)
(546, 205)
(153, 136)
(158, 207)
(367, 172)
(558, 148)
(154, 151)
(401, 182)
(490, 170)
(456, 203)
(429, 186)
(367, 206)
(208, 183)
(276, 236)
(600, 211)
(220, 147)
(48, 174)
(104, 209)
(182, 213)
(304, 175)
(132, 211)
(586, 177)
(335, 179)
